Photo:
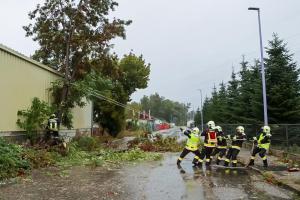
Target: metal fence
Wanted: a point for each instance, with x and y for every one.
(284, 136)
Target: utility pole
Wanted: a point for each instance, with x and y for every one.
(262, 67)
(201, 106)
(92, 118)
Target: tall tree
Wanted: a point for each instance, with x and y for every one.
(197, 118)
(127, 75)
(70, 33)
(223, 109)
(166, 109)
(283, 86)
(255, 94)
(207, 109)
(233, 94)
(135, 73)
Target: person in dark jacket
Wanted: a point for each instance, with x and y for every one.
(221, 145)
(52, 127)
(236, 144)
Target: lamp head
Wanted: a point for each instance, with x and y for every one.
(253, 8)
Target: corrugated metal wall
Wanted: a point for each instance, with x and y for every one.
(20, 82)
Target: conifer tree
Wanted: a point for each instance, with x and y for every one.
(255, 95)
(283, 85)
(233, 94)
(223, 112)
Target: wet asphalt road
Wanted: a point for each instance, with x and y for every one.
(163, 180)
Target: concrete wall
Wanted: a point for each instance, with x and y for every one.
(22, 79)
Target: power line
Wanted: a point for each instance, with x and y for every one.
(105, 98)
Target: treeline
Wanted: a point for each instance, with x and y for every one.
(162, 108)
(240, 100)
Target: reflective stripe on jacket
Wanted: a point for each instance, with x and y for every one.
(53, 125)
(236, 147)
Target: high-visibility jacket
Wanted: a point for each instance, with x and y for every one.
(264, 141)
(193, 142)
(53, 124)
(210, 139)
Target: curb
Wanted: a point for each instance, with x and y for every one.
(282, 184)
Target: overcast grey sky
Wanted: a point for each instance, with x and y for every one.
(190, 44)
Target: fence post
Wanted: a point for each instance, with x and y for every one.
(287, 136)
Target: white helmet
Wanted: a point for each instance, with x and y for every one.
(211, 124)
(240, 129)
(266, 129)
(219, 128)
(196, 130)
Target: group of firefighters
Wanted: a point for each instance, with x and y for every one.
(216, 143)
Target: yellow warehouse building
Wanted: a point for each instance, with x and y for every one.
(22, 79)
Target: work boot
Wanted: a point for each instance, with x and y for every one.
(195, 161)
(251, 163)
(265, 163)
(178, 162)
(226, 164)
(199, 164)
(195, 164)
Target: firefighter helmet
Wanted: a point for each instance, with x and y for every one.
(196, 130)
(211, 124)
(266, 129)
(240, 129)
(219, 128)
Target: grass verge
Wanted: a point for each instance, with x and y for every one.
(16, 160)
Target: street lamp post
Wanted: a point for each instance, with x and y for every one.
(262, 68)
(201, 107)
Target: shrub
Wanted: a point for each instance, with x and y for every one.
(33, 119)
(87, 143)
(40, 158)
(159, 144)
(11, 161)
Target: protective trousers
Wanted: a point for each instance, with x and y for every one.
(221, 152)
(262, 153)
(187, 151)
(206, 153)
(231, 155)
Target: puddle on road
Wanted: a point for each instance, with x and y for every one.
(165, 181)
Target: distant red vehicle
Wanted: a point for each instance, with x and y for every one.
(163, 126)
